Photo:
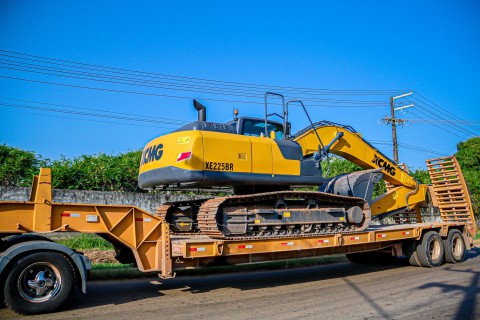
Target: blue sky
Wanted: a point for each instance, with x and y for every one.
(431, 47)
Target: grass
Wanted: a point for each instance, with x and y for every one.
(109, 266)
(85, 241)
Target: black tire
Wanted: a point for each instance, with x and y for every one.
(411, 253)
(373, 257)
(38, 283)
(430, 250)
(454, 246)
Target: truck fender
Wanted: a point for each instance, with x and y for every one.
(80, 262)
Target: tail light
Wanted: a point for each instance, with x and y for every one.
(184, 155)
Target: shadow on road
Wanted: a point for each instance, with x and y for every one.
(467, 307)
(119, 292)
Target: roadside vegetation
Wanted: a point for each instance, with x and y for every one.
(85, 241)
(100, 172)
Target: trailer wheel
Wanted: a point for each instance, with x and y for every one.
(430, 250)
(411, 253)
(38, 283)
(454, 246)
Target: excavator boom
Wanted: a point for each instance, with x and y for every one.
(405, 194)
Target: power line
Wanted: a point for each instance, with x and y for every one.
(147, 117)
(441, 108)
(432, 123)
(409, 147)
(96, 120)
(442, 121)
(85, 114)
(161, 95)
(183, 78)
(153, 84)
(163, 84)
(453, 126)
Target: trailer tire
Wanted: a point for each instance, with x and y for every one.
(454, 246)
(411, 253)
(430, 250)
(39, 282)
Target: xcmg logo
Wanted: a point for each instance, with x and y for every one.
(152, 153)
(390, 168)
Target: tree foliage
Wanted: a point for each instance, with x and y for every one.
(17, 167)
(97, 172)
(468, 156)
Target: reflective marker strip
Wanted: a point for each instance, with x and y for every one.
(355, 238)
(287, 244)
(406, 232)
(324, 241)
(382, 235)
(71, 215)
(144, 219)
(245, 246)
(197, 249)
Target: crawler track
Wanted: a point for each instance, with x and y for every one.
(215, 217)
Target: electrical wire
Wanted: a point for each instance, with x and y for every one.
(453, 126)
(162, 95)
(167, 129)
(434, 124)
(303, 90)
(148, 118)
(158, 84)
(112, 80)
(408, 147)
(441, 109)
(85, 114)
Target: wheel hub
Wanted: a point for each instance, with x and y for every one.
(39, 282)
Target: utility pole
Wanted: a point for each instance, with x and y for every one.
(394, 131)
(394, 121)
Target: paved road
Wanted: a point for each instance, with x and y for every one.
(335, 291)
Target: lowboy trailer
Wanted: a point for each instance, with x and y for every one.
(38, 275)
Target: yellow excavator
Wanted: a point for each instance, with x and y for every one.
(264, 164)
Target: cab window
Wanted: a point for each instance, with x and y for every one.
(256, 128)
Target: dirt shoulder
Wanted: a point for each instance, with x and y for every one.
(100, 256)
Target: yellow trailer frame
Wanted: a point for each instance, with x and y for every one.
(155, 250)
(30, 264)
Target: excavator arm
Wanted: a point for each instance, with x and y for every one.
(405, 195)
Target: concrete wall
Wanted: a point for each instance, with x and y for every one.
(145, 201)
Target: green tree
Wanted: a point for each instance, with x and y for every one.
(468, 156)
(421, 175)
(98, 172)
(17, 167)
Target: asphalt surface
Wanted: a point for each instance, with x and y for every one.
(335, 291)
